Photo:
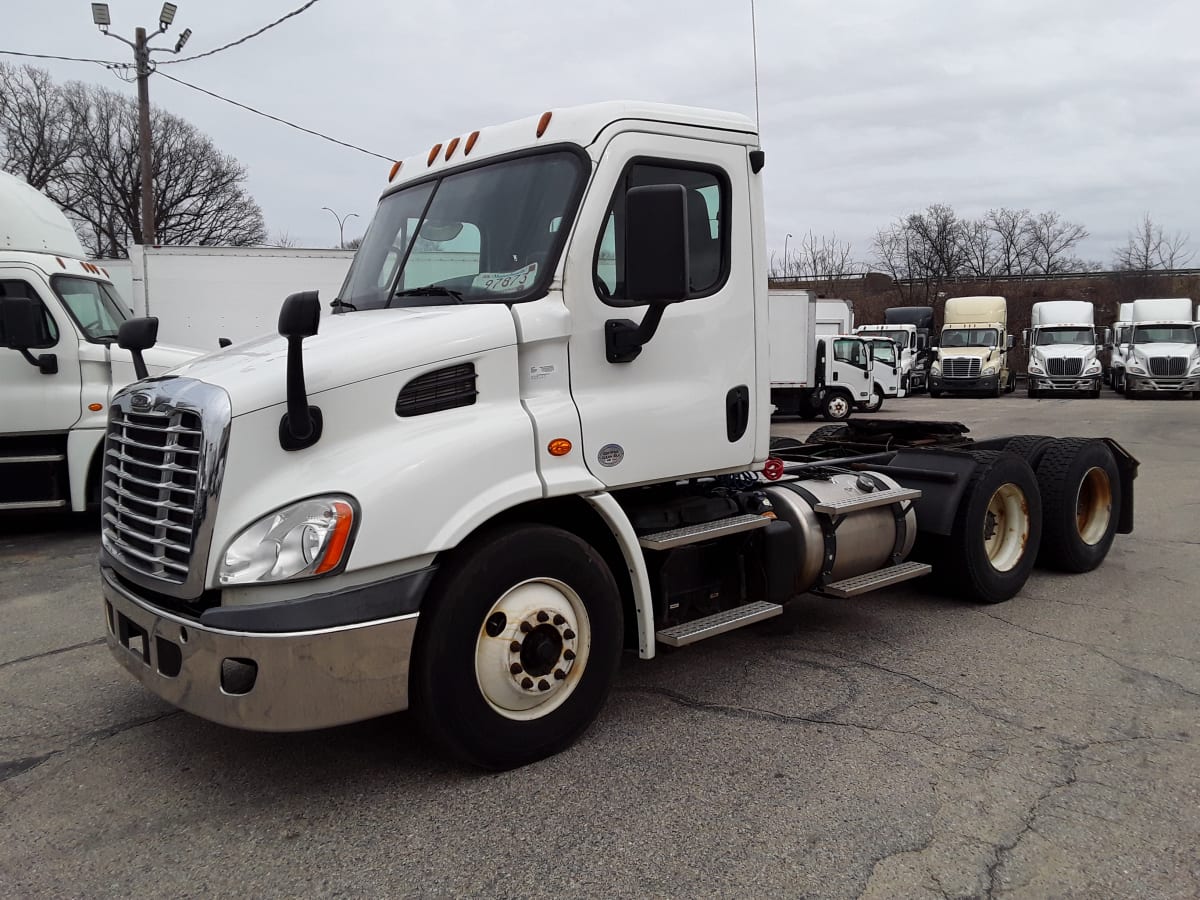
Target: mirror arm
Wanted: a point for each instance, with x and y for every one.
(46, 363)
(624, 338)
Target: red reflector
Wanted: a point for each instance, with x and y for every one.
(773, 469)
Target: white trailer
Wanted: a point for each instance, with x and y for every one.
(834, 316)
(464, 492)
(59, 363)
(1162, 355)
(1064, 349)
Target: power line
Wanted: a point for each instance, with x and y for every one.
(242, 40)
(103, 62)
(259, 112)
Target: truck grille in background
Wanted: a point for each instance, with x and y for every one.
(435, 391)
(1168, 366)
(960, 367)
(1068, 365)
(152, 490)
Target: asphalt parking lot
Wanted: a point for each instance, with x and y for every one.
(897, 745)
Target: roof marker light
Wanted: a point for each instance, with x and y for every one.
(60, 262)
(471, 139)
(437, 148)
(395, 169)
(451, 147)
(543, 123)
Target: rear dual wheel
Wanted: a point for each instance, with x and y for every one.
(1080, 487)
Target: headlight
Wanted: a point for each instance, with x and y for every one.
(308, 538)
(1135, 368)
(1036, 368)
(990, 370)
(935, 369)
(1092, 368)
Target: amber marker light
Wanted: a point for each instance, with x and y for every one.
(95, 407)
(559, 447)
(395, 170)
(471, 139)
(451, 147)
(339, 539)
(437, 148)
(543, 123)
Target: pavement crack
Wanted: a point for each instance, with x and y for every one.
(55, 651)
(11, 768)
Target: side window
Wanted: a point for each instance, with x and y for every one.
(12, 288)
(851, 352)
(708, 227)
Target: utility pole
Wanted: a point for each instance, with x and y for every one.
(341, 220)
(142, 66)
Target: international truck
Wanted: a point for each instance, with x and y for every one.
(972, 353)
(910, 328)
(1064, 349)
(1118, 347)
(464, 493)
(1162, 355)
(813, 375)
(59, 363)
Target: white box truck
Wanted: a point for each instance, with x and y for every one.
(1064, 349)
(972, 353)
(59, 362)
(909, 327)
(466, 493)
(1119, 346)
(834, 316)
(1162, 355)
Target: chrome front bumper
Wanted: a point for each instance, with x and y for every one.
(287, 681)
(1148, 383)
(1064, 383)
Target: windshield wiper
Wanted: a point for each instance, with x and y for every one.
(342, 304)
(429, 290)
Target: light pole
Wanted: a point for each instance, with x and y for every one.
(341, 220)
(785, 256)
(141, 57)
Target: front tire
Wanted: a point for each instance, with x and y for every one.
(876, 402)
(837, 406)
(517, 646)
(1081, 499)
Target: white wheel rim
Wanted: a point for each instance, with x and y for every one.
(532, 649)
(1006, 527)
(1093, 505)
(838, 407)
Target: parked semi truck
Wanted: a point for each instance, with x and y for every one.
(1064, 349)
(814, 375)
(465, 493)
(910, 327)
(59, 364)
(1162, 355)
(1118, 345)
(972, 353)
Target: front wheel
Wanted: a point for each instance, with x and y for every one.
(934, 394)
(517, 646)
(875, 403)
(837, 406)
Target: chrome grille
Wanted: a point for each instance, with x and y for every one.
(1168, 366)
(960, 367)
(1066, 365)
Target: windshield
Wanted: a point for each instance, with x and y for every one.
(94, 306)
(1048, 336)
(970, 337)
(883, 351)
(490, 234)
(1164, 334)
(850, 351)
(900, 337)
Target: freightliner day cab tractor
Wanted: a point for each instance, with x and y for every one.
(972, 354)
(466, 492)
(59, 364)
(1120, 344)
(1064, 349)
(1162, 355)
(910, 328)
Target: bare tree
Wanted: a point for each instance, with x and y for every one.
(1011, 228)
(1149, 248)
(981, 250)
(1051, 239)
(282, 238)
(80, 145)
(816, 258)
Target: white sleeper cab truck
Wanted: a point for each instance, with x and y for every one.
(909, 327)
(972, 353)
(59, 363)
(1119, 346)
(885, 373)
(1064, 349)
(1162, 356)
(829, 375)
(467, 490)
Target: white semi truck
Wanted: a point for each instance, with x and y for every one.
(909, 327)
(1119, 346)
(1162, 355)
(972, 353)
(814, 375)
(59, 362)
(466, 492)
(1064, 349)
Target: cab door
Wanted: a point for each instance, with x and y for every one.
(31, 401)
(686, 404)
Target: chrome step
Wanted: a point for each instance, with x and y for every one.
(873, 581)
(718, 623)
(866, 501)
(706, 531)
(34, 504)
(37, 458)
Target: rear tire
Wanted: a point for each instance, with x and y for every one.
(827, 433)
(1081, 502)
(1030, 447)
(464, 689)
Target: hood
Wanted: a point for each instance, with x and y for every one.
(1164, 349)
(353, 347)
(161, 357)
(981, 352)
(1063, 351)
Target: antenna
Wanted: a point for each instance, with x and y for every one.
(754, 44)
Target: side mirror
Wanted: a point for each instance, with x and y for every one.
(656, 265)
(299, 317)
(1009, 342)
(136, 335)
(1024, 337)
(21, 318)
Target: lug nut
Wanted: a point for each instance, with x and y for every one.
(526, 627)
(543, 616)
(558, 619)
(569, 634)
(568, 655)
(527, 683)
(515, 646)
(560, 674)
(543, 685)
(515, 668)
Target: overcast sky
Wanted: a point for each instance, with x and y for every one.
(869, 109)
